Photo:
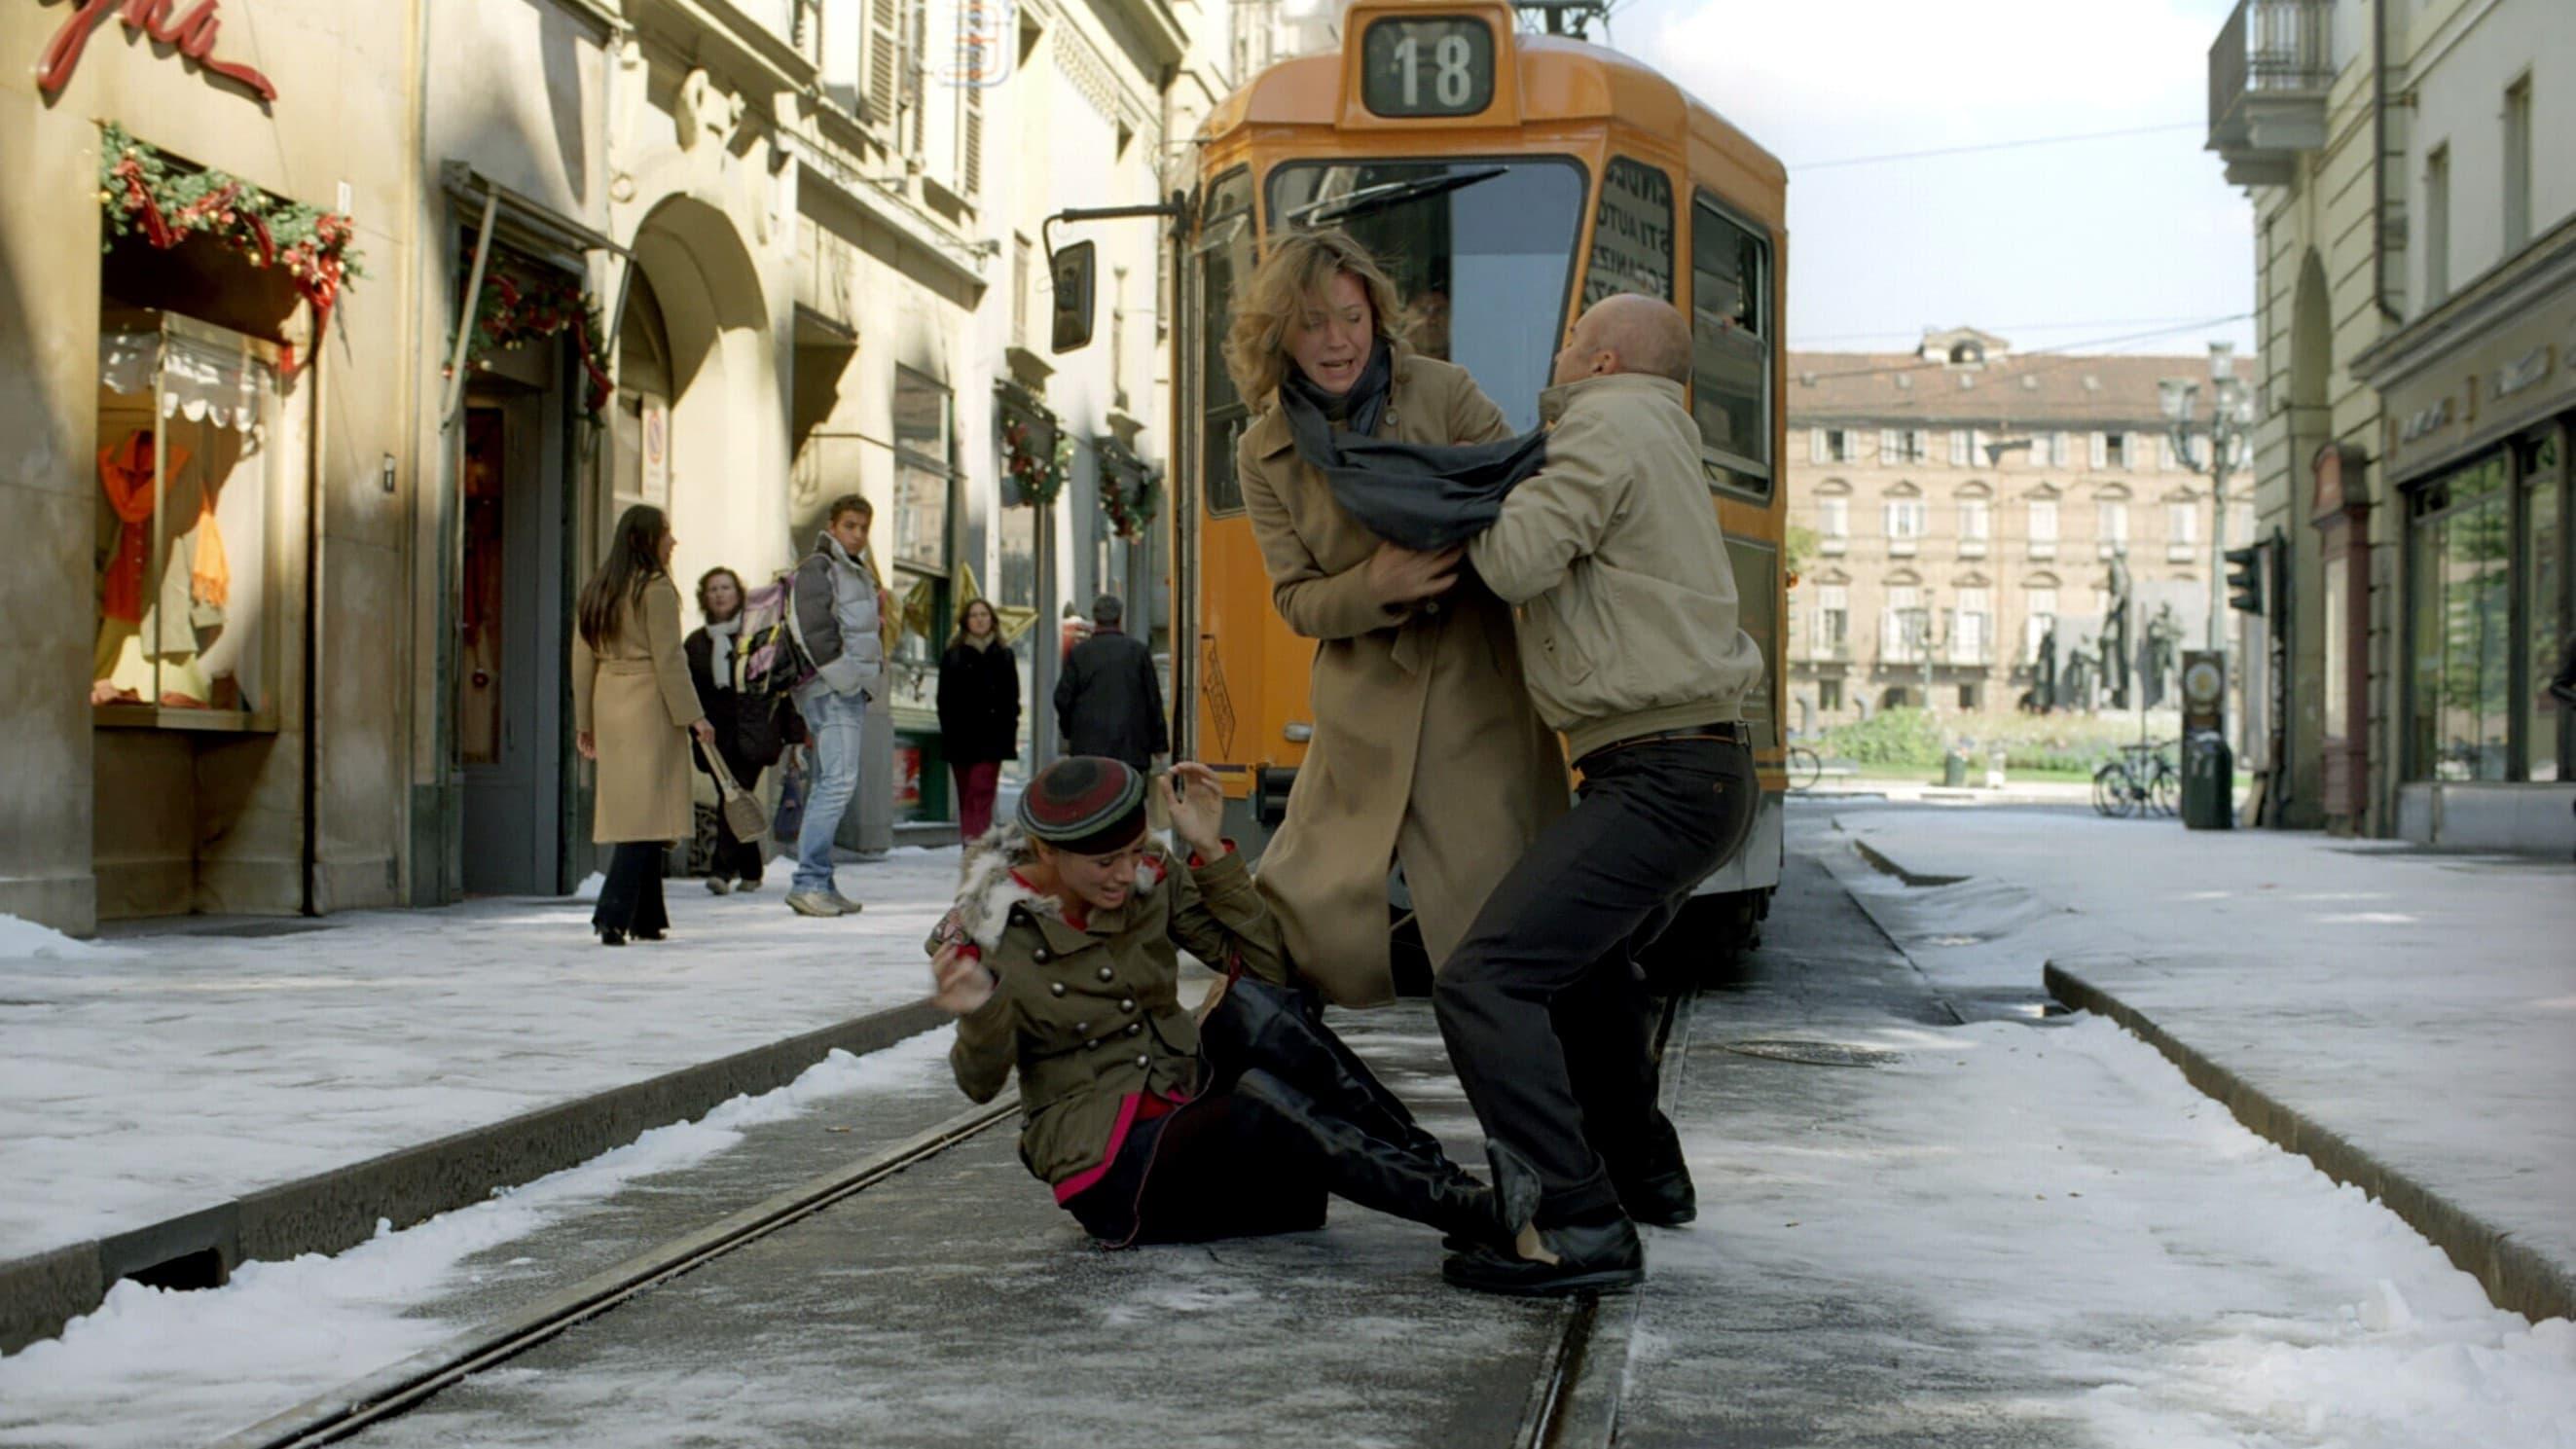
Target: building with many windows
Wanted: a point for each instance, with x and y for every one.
(1966, 503)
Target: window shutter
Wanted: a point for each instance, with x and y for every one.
(2101, 450)
(1815, 445)
(1888, 446)
(884, 50)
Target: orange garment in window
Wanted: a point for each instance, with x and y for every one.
(125, 472)
(210, 573)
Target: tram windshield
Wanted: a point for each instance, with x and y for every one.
(1472, 244)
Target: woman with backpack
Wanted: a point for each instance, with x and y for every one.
(979, 714)
(753, 727)
(633, 712)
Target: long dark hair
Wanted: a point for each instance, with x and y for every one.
(634, 559)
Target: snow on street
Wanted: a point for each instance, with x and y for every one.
(152, 1368)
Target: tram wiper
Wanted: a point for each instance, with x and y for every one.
(1392, 193)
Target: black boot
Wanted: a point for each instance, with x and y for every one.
(1283, 1032)
(1379, 1174)
(1596, 1256)
(1656, 1189)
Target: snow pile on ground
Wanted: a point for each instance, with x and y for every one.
(26, 941)
(2058, 1205)
(152, 1368)
(176, 1071)
(2421, 1006)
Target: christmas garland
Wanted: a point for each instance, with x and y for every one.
(145, 192)
(1130, 509)
(513, 312)
(1039, 481)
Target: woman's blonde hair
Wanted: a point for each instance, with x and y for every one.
(1297, 268)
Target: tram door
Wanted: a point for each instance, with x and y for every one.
(508, 629)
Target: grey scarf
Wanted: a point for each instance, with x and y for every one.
(1425, 496)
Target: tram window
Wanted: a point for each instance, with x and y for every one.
(1225, 258)
(1468, 244)
(1731, 339)
(1632, 233)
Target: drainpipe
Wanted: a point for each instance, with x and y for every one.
(2379, 160)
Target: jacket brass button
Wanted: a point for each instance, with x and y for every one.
(1056, 986)
(1095, 1041)
(1134, 1027)
(1143, 1060)
(1082, 1026)
(1107, 974)
(1127, 1004)
(1041, 956)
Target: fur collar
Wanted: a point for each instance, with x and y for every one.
(987, 890)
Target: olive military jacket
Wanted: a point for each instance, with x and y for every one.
(1090, 1015)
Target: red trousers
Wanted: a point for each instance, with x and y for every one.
(975, 786)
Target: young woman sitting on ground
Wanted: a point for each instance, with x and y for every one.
(1062, 960)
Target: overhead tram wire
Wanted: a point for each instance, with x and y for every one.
(2025, 142)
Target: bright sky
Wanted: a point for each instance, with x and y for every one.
(2046, 245)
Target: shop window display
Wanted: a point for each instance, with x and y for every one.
(186, 478)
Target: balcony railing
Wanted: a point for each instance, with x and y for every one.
(2181, 550)
(1833, 543)
(1903, 547)
(2043, 548)
(1972, 548)
(2269, 72)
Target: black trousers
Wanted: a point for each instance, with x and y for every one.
(1221, 1166)
(1543, 1007)
(630, 900)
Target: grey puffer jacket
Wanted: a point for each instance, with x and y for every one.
(834, 615)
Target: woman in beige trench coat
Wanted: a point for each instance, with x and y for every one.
(1427, 749)
(634, 709)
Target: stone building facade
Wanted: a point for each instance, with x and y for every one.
(1963, 501)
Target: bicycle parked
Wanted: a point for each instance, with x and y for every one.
(1805, 768)
(2140, 780)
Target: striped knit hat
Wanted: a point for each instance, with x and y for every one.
(1085, 805)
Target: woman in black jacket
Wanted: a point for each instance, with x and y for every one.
(979, 713)
(752, 730)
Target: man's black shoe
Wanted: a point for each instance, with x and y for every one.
(1595, 1257)
(1663, 1200)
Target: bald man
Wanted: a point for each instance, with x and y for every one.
(1626, 612)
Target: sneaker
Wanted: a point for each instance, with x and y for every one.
(747, 885)
(717, 885)
(813, 903)
(843, 903)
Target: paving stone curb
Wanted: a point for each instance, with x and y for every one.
(337, 1209)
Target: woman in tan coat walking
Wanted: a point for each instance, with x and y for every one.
(634, 709)
(1427, 750)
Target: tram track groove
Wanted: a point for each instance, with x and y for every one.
(1576, 1399)
(400, 1387)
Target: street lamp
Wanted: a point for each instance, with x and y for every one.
(2231, 423)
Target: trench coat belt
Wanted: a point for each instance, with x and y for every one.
(625, 666)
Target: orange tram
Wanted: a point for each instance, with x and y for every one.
(1507, 180)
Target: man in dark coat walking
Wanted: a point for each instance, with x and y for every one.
(1109, 701)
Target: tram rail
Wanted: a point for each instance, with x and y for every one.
(1573, 1399)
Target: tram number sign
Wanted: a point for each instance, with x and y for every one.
(1436, 67)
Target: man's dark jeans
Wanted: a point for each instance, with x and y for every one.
(1543, 1006)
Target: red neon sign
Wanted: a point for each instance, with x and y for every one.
(193, 34)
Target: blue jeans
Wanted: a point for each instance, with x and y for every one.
(838, 723)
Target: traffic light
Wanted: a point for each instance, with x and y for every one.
(2245, 579)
